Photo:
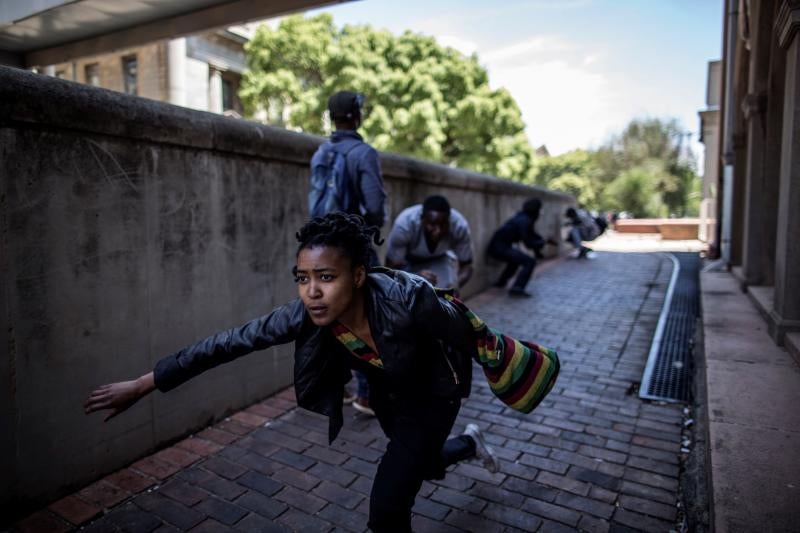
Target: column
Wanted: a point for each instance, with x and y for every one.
(761, 189)
(214, 90)
(176, 71)
(786, 313)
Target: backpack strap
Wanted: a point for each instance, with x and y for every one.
(351, 180)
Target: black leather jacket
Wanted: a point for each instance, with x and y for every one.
(407, 319)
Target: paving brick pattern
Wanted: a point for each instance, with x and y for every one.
(592, 457)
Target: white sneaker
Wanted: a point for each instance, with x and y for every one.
(591, 255)
(482, 451)
(574, 254)
(362, 405)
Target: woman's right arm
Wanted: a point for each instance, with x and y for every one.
(118, 397)
(278, 327)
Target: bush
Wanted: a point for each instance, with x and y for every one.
(635, 191)
(578, 186)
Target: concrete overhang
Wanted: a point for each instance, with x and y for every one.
(46, 32)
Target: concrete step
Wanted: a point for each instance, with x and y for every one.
(753, 389)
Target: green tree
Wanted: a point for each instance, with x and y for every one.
(646, 169)
(577, 162)
(656, 146)
(634, 191)
(423, 99)
(574, 172)
(580, 187)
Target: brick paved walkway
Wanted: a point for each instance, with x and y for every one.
(592, 457)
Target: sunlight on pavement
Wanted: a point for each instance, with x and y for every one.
(612, 241)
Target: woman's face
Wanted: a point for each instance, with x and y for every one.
(327, 283)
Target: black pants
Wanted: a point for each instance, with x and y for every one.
(418, 449)
(514, 258)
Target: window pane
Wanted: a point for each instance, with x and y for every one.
(92, 73)
(227, 95)
(129, 71)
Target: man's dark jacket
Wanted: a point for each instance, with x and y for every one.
(407, 321)
(518, 228)
(364, 172)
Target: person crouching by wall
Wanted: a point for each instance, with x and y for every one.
(519, 228)
(432, 240)
(583, 228)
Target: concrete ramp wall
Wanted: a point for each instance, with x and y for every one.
(131, 228)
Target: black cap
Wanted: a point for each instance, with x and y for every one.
(345, 105)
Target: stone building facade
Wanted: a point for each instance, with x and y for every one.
(758, 158)
(201, 71)
(709, 136)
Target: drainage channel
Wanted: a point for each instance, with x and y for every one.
(667, 376)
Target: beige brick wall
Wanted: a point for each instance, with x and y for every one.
(151, 70)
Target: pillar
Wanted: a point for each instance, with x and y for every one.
(214, 90)
(176, 71)
(786, 313)
(761, 187)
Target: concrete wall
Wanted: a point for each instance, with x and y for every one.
(131, 228)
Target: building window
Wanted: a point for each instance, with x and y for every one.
(129, 71)
(92, 73)
(61, 74)
(227, 94)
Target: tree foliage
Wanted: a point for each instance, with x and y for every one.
(632, 191)
(432, 102)
(646, 170)
(577, 162)
(578, 186)
(423, 100)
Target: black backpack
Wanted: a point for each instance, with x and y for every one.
(330, 188)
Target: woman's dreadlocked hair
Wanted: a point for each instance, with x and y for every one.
(349, 233)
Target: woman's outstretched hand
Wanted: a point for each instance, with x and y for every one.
(119, 396)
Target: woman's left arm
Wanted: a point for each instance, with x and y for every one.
(441, 319)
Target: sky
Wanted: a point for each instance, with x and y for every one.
(579, 70)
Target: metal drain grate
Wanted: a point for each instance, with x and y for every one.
(668, 373)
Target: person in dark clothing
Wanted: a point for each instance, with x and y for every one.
(363, 172)
(519, 228)
(362, 163)
(389, 324)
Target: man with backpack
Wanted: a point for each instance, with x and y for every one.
(346, 176)
(345, 171)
